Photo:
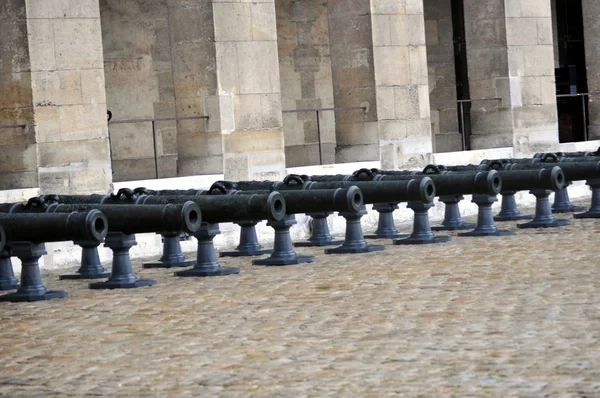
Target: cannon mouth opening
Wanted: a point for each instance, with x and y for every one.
(278, 206)
(496, 183)
(429, 190)
(560, 179)
(99, 226)
(357, 199)
(194, 217)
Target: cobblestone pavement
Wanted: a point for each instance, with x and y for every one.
(497, 317)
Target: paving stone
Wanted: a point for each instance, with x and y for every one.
(503, 316)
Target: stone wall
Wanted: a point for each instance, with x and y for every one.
(442, 75)
(18, 159)
(591, 16)
(306, 80)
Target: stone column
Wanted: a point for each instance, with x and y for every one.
(379, 60)
(591, 26)
(510, 56)
(249, 95)
(68, 94)
(531, 76)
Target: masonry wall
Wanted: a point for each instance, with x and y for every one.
(18, 160)
(306, 80)
(160, 63)
(442, 76)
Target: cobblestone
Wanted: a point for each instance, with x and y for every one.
(498, 317)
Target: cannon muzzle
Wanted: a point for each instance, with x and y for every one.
(551, 178)
(89, 225)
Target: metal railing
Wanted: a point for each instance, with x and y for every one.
(13, 126)
(153, 121)
(583, 97)
(463, 134)
(318, 111)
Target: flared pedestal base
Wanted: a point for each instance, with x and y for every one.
(498, 232)
(459, 227)
(85, 276)
(208, 271)
(169, 264)
(519, 217)
(245, 253)
(23, 296)
(281, 261)
(355, 250)
(557, 222)
(319, 243)
(588, 214)
(122, 285)
(568, 209)
(418, 240)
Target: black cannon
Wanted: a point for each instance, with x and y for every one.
(27, 235)
(219, 209)
(124, 222)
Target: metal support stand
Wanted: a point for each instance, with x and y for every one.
(509, 210)
(421, 234)
(386, 227)
(206, 258)
(122, 276)
(543, 214)
(7, 275)
(320, 235)
(485, 218)
(283, 248)
(562, 202)
(452, 219)
(249, 245)
(594, 211)
(32, 288)
(172, 256)
(90, 268)
(354, 241)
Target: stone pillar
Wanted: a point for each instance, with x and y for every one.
(193, 51)
(379, 60)
(510, 56)
(591, 26)
(531, 76)
(18, 168)
(249, 95)
(58, 50)
(306, 81)
(442, 75)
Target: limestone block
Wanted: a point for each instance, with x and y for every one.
(165, 110)
(388, 7)
(26, 179)
(407, 102)
(93, 86)
(167, 166)
(78, 43)
(418, 64)
(194, 69)
(535, 117)
(490, 62)
(84, 9)
(12, 9)
(55, 154)
(483, 9)
(199, 166)
(431, 33)
(357, 133)
(485, 33)
(293, 130)
(131, 141)
(448, 143)
(531, 91)
(353, 77)
(243, 141)
(195, 24)
(392, 130)
(521, 31)
(166, 138)
(258, 67)
(516, 60)
(307, 155)
(56, 88)
(236, 167)
(448, 120)
(18, 158)
(418, 129)
(226, 55)
(407, 30)
(15, 90)
(199, 144)
(134, 169)
(381, 30)
(414, 7)
(78, 122)
(386, 103)
(350, 33)
(131, 94)
(356, 153)
(47, 124)
(47, 9)
(535, 8)
(271, 110)
(512, 8)
(539, 60)
(41, 44)
(264, 26)
(248, 112)
(391, 66)
(339, 9)
(544, 31)
(232, 21)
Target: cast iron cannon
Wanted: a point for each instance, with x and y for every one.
(27, 235)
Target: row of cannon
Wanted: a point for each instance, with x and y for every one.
(115, 219)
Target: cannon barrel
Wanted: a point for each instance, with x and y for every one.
(91, 225)
(411, 190)
(551, 178)
(573, 171)
(323, 200)
(483, 182)
(185, 217)
(569, 154)
(230, 208)
(2, 238)
(420, 189)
